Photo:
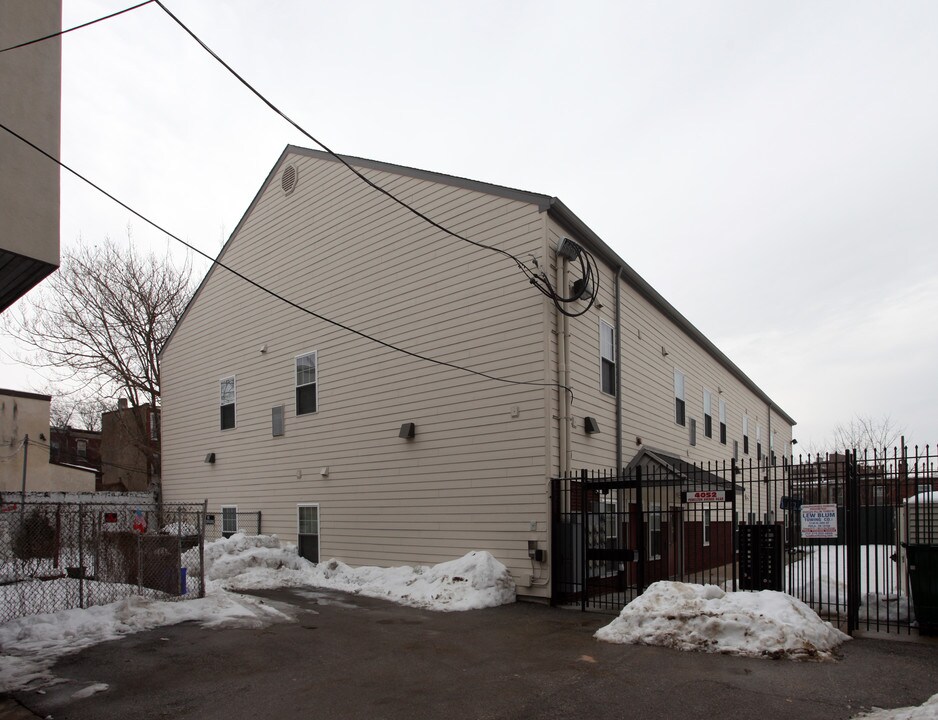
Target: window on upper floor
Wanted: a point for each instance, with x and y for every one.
(723, 421)
(82, 447)
(307, 373)
(708, 413)
(227, 403)
(746, 434)
(678, 397)
(758, 442)
(607, 357)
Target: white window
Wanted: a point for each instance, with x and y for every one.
(708, 413)
(678, 397)
(723, 421)
(607, 354)
(307, 531)
(229, 520)
(227, 403)
(654, 532)
(759, 442)
(706, 528)
(82, 447)
(746, 434)
(307, 374)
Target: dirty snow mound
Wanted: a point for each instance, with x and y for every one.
(926, 711)
(704, 617)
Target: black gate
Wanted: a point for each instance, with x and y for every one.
(614, 533)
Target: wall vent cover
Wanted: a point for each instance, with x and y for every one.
(288, 179)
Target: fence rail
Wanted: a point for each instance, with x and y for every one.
(833, 531)
(57, 556)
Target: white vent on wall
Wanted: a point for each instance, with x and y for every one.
(288, 179)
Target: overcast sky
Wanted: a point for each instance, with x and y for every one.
(771, 168)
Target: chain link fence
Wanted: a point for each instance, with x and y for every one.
(58, 556)
(226, 522)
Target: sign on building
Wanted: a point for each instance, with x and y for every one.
(819, 521)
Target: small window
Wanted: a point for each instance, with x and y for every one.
(307, 532)
(693, 431)
(678, 397)
(227, 403)
(758, 442)
(607, 352)
(229, 520)
(82, 447)
(746, 434)
(154, 426)
(708, 414)
(706, 528)
(307, 374)
(879, 494)
(723, 421)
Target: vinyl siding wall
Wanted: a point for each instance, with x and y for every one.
(647, 385)
(474, 478)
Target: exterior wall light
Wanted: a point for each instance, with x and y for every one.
(590, 425)
(408, 431)
(210, 459)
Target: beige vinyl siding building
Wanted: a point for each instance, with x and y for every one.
(476, 474)
(31, 88)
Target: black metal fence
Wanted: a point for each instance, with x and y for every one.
(58, 556)
(831, 531)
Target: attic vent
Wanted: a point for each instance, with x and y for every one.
(288, 179)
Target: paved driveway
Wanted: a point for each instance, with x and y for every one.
(352, 657)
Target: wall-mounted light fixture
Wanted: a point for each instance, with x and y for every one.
(664, 352)
(264, 349)
(408, 431)
(590, 425)
(210, 458)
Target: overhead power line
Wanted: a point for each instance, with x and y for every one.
(589, 283)
(272, 293)
(77, 27)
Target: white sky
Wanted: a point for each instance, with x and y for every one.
(770, 168)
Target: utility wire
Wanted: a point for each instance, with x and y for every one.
(273, 294)
(540, 280)
(77, 27)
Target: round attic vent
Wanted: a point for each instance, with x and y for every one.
(288, 179)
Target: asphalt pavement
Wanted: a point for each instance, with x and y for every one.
(352, 657)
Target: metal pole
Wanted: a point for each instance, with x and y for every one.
(25, 458)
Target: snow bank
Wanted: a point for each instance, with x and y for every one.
(926, 711)
(32, 644)
(704, 617)
(474, 581)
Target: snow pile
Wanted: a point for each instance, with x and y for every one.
(926, 711)
(704, 617)
(474, 581)
(31, 645)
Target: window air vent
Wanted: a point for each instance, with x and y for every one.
(288, 179)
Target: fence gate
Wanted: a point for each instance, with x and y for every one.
(597, 538)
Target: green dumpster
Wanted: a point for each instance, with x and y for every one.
(923, 582)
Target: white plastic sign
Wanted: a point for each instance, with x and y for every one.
(819, 521)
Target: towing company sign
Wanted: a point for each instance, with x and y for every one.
(819, 521)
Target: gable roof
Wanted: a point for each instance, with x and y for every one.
(545, 203)
(679, 471)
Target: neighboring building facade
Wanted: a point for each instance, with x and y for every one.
(71, 446)
(130, 448)
(268, 408)
(31, 88)
(22, 414)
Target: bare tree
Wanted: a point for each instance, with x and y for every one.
(83, 413)
(867, 433)
(98, 324)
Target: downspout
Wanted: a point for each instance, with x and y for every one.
(563, 361)
(618, 372)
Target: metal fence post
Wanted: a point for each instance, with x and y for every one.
(853, 541)
(641, 529)
(584, 539)
(202, 550)
(81, 557)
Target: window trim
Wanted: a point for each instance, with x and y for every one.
(708, 413)
(223, 530)
(318, 527)
(745, 434)
(680, 404)
(234, 403)
(611, 361)
(296, 386)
